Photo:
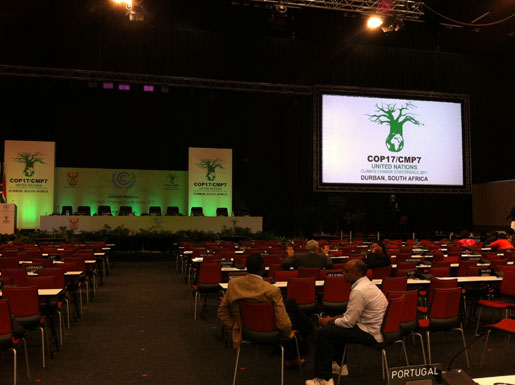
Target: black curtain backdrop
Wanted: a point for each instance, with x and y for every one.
(271, 134)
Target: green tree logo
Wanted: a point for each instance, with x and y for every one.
(30, 160)
(172, 178)
(211, 165)
(385, 115)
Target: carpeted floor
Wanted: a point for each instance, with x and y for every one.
(140, 329)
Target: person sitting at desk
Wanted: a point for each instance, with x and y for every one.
(311, 258)
(377, 257)
(502, 243)
(360, 324)
(287, 313)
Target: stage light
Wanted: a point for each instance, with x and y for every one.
(108, 86)
(134, 8)
(124, 87)
(281, 8)
(374, 22)
(148, 88)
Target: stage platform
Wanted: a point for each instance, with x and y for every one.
(158, 223)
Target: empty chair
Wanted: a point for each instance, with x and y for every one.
(304, 292)
(284, 275)
(394, 284)
(83, 210)
(197, 212)
(24, 305)
(222, 212)
(444, 315)
(209, 279)
(172, 211)
(9, 341)
(306, 272)
(336, 295)
(381, 272)
(125, 210)
(155, 211)
(104, 210)
(506, 325)
(67, 210)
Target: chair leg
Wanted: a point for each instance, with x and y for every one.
(422, 346)
(428, 347)
(282, 364)
(464, 344)
(236, 366)
(478, 318)
(60, 327)
(14, 364)
(196, 300)
(484, 350)
(384, 364)
(26, 357)
(67, 311)
(43, 345)
(342, 363)
(298, 354)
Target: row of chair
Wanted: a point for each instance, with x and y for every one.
(127, 210)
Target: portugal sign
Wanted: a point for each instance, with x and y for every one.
(29, 169)
(210, 179)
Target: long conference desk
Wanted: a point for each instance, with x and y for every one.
(168, 223)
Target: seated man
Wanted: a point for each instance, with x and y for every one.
(311, 258)
(377, 257)
(360, 324)
(252, 286)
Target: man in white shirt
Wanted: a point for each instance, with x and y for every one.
(360, 324)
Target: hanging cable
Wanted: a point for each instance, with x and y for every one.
(469, 24)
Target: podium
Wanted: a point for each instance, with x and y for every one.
(7, 218)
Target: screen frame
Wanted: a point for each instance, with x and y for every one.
(463, 99)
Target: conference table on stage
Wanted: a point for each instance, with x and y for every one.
(147, 222)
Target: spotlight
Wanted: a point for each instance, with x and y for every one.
(134, 9)
(281, 8)
(374, 22)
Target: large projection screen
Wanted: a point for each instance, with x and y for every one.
(391, 141)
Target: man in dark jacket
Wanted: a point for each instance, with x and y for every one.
(311, 258)
(377, 257)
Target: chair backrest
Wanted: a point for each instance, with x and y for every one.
(336, 289)
(23, 301)
(210, 273)
(464, 266)
(445, 304)
(19, 276)
(284, 275)
(67, 210)
(508, 283)
(302, 289)
(390, 328)
(409, 314)
(307, 272)
(125, 210)
(222, 212)
(172, 210)
(381, 272)
(43, 282)
(57, 273)
(10, 262)
(440, 271)
(407, 265)
(439, 264)
(197, 212)
(69, 266)
(84, 210)
(104, 210)
(394, 283)
(6, 281)
(154, 210)
(495, 264)
(440, 284)
(258, 322)
(5, 318)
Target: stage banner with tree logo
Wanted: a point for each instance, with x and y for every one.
(29, 176)
(210, 179)
(139, 189)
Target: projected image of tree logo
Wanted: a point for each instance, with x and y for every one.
(211, 165)
(29, 159)
(124, 179)
(385, 115)
(73, 178)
